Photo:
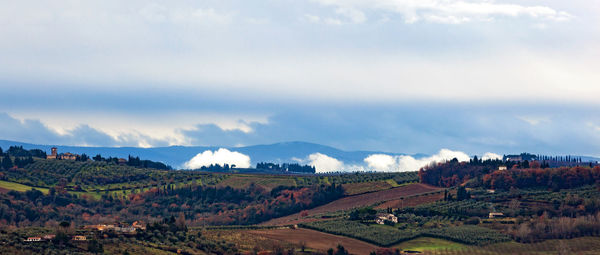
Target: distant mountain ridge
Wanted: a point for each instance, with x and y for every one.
(176, 156)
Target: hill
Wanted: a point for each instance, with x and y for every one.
(175, 156)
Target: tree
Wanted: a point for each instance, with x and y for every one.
(95, 247)
(462, 194)
(61, 238)
(302, 246)
(97, 157)
(82, 158)
(65, 224)
(180, 222)
(341, 250)
(7, 162)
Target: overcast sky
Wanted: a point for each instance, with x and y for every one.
(391, 75)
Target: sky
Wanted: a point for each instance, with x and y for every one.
(403, 76)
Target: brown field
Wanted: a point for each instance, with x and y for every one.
(351, 202)
(316, 240)
(364, 187)
(244, 240)
(412, 201)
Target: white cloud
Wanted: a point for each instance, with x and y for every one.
(491, 155)
(324, 163)
(381, 162)
(387, 163)
(343, 16)
(159, 14)
(312, 18)
(534, 120)
(111, 43)
(450, 11)
(221, 156)
(353, 15)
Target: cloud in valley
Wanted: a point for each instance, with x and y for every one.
(324, 163)
(382, 162)
(387, 163)
(491, 155)
(221, 156)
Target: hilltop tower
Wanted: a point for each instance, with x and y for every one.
(54, 154)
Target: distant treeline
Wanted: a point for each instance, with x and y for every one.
(287, 167)
(18, 151)
(217, 168)
(550, 161)
(22, 157)
(133, 161)
(136, 162)
(452, 173)
(554, 178)
(518, 174)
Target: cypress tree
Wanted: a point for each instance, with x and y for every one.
(7, 162)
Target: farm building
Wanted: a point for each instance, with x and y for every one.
(67, 156)
(386, 217)
(495, 215)
(79, 238)
(53, 154)
(33, 239)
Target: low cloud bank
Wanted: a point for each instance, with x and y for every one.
(324, 163)
(221, 156)
(388, 163)
(491, 155)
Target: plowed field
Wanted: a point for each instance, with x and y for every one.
(362, 200)
(316, 240)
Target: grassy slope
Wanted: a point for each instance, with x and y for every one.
(266, 181)
(19, 187)
(584, 245)
(429, 244)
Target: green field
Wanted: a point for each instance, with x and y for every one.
(430, 244)
(20, 187)
(268, 182)
(426, 245)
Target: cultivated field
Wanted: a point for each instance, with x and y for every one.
(426, 245)
(362, 200)
(412, 201)
(316, 240)
(6, 186)
(240, 181)
(364, 187)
